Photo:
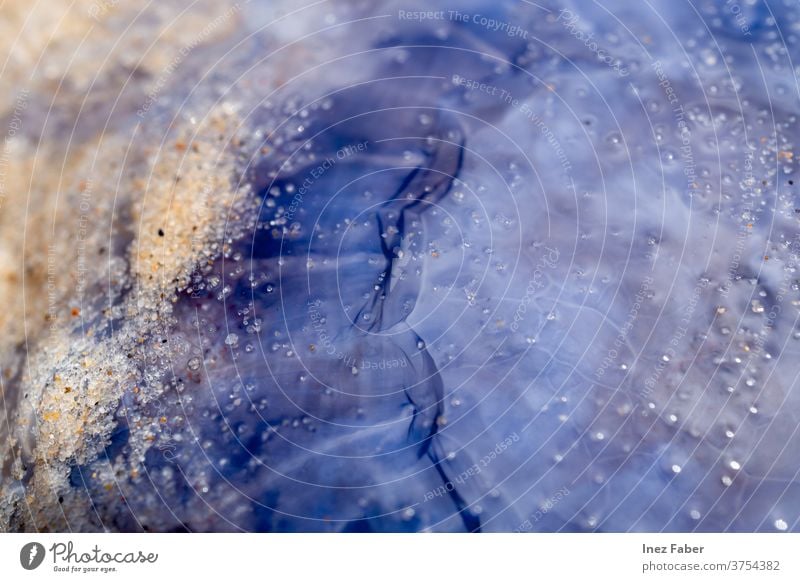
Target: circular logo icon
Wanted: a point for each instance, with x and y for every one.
(31, 555)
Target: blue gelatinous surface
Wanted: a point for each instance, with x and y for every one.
(500, 279)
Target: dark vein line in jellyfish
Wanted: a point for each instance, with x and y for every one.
(391, 231)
